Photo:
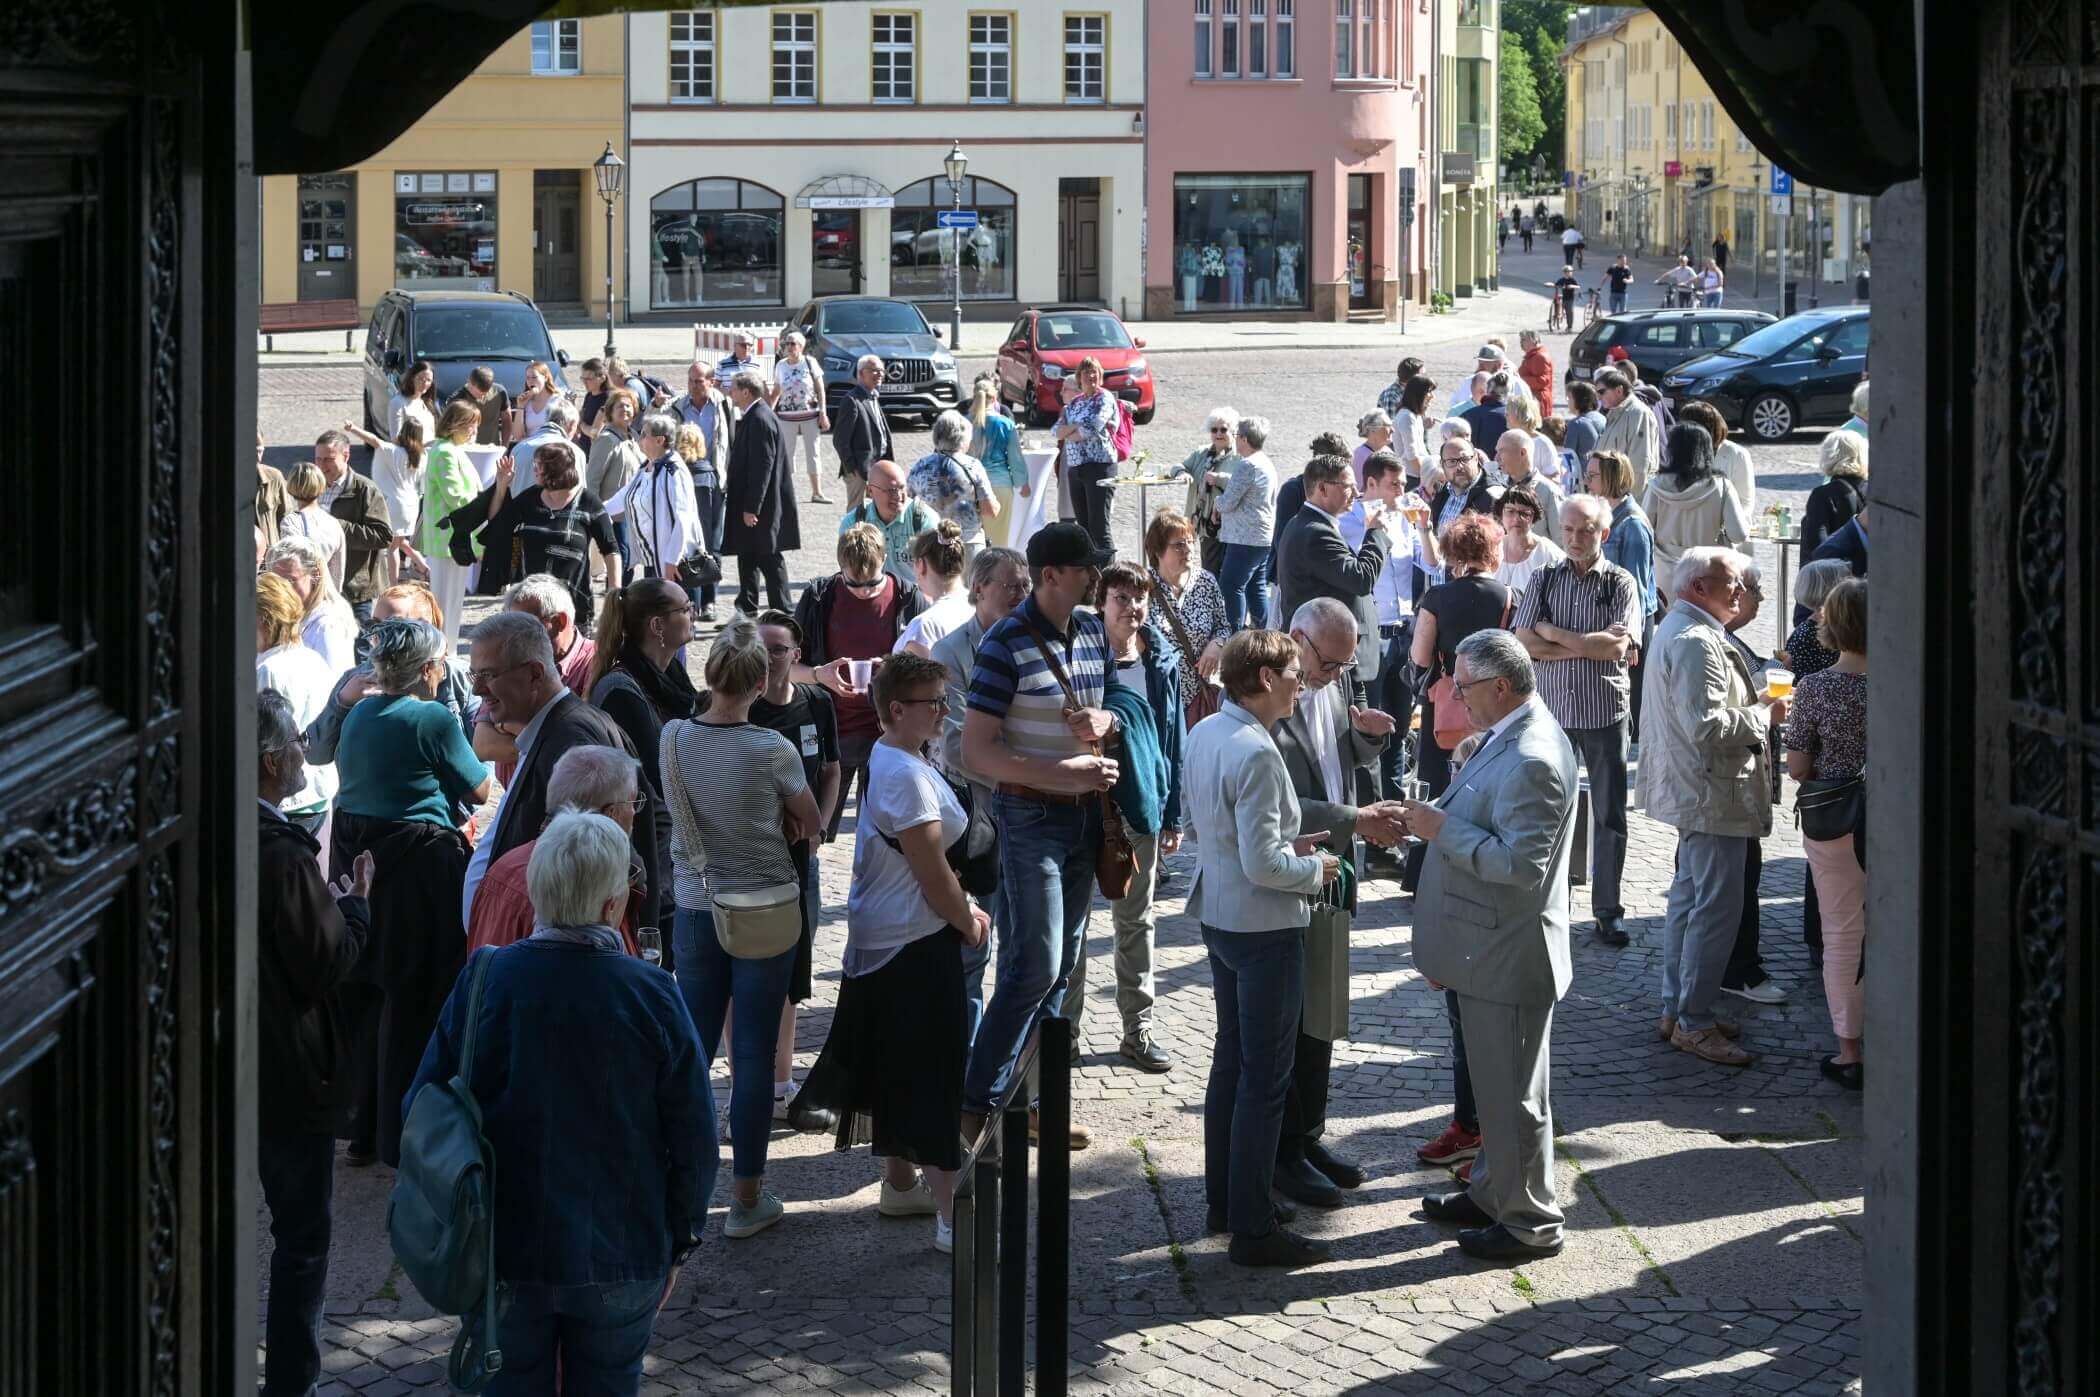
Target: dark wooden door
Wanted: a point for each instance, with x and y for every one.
(1079, 247)
(327, 237)
(557, 268)
(127, 276)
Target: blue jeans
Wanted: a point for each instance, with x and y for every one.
(975, 959)
(1246, 584)
(709, 978)
(1046, 874)
(1618, 302)
(298, 1180)
(1396, 695)
(593, 1336)
(620, 546)
(1257, 979)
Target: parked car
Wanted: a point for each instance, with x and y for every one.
(1048, 342)
(1657, 340)
(456, 331)
(1796, 372)
(918, 372)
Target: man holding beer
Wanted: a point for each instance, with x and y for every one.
(1705, 770)
(1413, 547)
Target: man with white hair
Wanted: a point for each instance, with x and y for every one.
(1324, 742)
(560, 427)
(759, 495)
(1487, 361)
(1580, 619)
(898, 517)
(547, 599)
(1491, 922)
(1705, 771)
(706, 406)
(1514, 459)
(860, 431)
(744, 356)
(597, 780)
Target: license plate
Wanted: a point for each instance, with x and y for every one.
(900, 387)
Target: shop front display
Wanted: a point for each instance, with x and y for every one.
(922, 252)
(1240, 242)
(445, 230)
(716, 242)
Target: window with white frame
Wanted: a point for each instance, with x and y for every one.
(1345, 38)
(1367, 45)
(1670, 124)
(1286, 40)
(1706, 125)
(795, 56)
(557, 47)
(1742, 142)
(991, 58)
(895, 56)
(1257, 38)
(1203, 38)
(693, 56)
(1086, 58)
(1229, 40)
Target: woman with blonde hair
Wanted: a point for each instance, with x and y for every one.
(796, 396)
(1522, 414)
(997, 446)
(450, 483)
(938, 557)
(285, 663)
(326, 623)
(738, 797)
(305, 484)
(541, 390)
(1843, 460)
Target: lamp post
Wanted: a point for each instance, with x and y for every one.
(609, 169)
(956, 164)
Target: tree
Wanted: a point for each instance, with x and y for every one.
(1522, 125)
(1553, 97)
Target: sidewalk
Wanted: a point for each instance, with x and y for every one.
(1745, 288)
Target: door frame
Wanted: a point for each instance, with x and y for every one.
(343, 274)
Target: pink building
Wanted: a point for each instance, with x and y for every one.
(1280, 138)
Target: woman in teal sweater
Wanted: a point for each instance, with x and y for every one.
(997, 446)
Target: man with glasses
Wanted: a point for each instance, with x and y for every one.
(1705, 771)
(744, 357)
(860, 432)
(596, 780)
(894, 514)
(1313, 560)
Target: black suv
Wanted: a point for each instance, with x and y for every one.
(455, 331)
(918, 373)
(1796, 372)
(1657, 340)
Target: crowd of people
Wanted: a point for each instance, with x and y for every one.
(1410, 660)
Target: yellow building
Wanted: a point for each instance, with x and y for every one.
(1469, 49)
(1656, 165)
(492, 190)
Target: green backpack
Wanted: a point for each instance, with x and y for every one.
(442, 1215)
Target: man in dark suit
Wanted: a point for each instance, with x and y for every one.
(1325, 742)
(1313, 560)
(859, 432)
(516, 677)
(763, 523)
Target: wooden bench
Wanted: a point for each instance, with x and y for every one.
(287, 316)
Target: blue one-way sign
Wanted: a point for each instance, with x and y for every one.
(956, 218)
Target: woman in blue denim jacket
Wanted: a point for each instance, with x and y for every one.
(1086, 431)
(595, 1102)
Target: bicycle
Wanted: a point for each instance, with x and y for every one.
(1556, 318)
(1593, 305)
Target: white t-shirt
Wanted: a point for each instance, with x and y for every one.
(400, 487)
(886, 910)
(1517, 576)
(305, 680)
(935, 621)
(318, 524)
(331, 633)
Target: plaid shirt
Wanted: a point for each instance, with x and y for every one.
(1582, 693)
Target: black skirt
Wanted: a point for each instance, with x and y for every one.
(892, 1067)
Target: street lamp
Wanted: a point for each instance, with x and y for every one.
(609, 169)
(956, 164)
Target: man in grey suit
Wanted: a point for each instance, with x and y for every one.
(1313, 560)
(1491, 922)
(1325, 741)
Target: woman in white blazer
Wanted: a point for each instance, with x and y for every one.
(1255, 875)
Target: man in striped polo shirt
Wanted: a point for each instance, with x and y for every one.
(1036, 742)
(1580, 619)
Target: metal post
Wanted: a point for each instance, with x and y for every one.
(1815, 249)
(1013, 1250)
(986, 1256)
(1786, 226)
(609, 350)
(962, 1311)
(1053, 1246)
(955, 276)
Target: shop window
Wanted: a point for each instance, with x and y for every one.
(922, 254)
(991, 58)
(1240, 241)
(716, 242)
(557, 47)
(693, 56)
(445, 230)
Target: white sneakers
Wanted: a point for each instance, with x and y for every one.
(943, 1236)
(783, 1100)
(750, 1219)
(914, 1202)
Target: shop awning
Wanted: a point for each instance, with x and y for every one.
(845, 192)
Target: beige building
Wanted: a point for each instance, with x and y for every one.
(794, 151)
(492, 190)
(1467, 104)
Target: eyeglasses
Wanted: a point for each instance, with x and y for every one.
(888, 492)
(1451, 460)
(936, 704)
(1459, 686)
(483, 677)
(639, 801)
(780, 652)
(1327, 666)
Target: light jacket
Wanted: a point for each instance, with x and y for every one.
(997, 447)
(1704, 751)
(1694, 517)
(1152, 735)
(710, 473)
(1630, 428)
(1247, 504)
(449, 481)
(663, 520)
(1245, 815)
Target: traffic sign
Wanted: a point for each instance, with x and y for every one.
(1782, 182)
(956, 218)
(1782, 206)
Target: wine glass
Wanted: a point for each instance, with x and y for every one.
(650, 942)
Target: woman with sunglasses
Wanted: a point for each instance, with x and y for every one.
(1214, 457)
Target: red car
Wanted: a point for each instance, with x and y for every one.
(1048, 342)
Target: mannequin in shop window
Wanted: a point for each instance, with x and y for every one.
(1264, 264)
(1287, 274)
(1235, 271)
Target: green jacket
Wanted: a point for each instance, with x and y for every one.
(449, 481)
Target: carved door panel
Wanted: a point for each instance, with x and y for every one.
(122, 1041)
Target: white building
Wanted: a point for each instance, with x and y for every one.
(782, 153)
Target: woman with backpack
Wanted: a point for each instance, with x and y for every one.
(954, 485)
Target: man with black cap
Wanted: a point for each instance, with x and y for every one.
(1037, 727)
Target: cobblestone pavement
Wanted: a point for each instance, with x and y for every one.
(1714, 1215)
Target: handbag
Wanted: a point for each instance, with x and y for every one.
(441, 1216)
(974, 856)
(753, 925)
(699, 567)
(1202, 694)
(1115, 864)
(1832, 809)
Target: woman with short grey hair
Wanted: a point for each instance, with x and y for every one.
(1214, 457)
(1246, 525)
(1376, 429)
(954, 484)
(1805, 652)
(408, 657)
(796, 396)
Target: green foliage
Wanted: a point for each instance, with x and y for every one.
(1522, 125)
(1553, 98)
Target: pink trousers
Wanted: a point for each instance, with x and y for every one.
(1841, 888)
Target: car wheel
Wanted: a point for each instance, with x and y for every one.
(1770, 417)
(1037, 418)
(1142, 417)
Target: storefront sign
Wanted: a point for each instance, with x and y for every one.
(448, 212)
(851, 201)
(1458, 167)
(1673, 168)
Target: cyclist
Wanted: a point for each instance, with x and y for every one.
(1564, 300)
(1620, 277)
(1681, 280)
(1572, 245)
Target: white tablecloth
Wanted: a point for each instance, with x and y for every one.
(1039, 506)
(485, 459)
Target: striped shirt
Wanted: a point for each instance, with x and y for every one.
(1014, 683)
(1582, 693)
(727, 786)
